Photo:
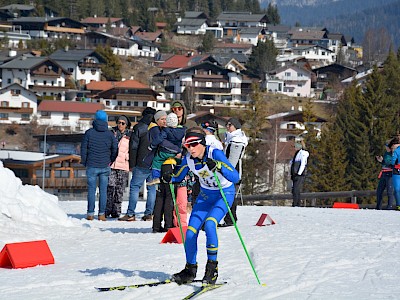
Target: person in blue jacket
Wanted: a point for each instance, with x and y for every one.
(394, 146)
(210, 206)
(99, 148)
(385, 178)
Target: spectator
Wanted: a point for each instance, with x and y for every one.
(119, 169)
(235, 145)
(395, 162)
(385, 178)
(183, 189)
(173, 133)
(298, 170)
(138, 150)
(210, 127)
(210, 207)
(99, 149)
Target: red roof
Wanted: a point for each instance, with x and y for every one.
(100, 20)
(70, 106)
(161, 24)
(182, 61)
(106, 85)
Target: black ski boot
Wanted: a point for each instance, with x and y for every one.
(211, 275)
(187, 275)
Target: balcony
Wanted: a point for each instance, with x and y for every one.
(58, 183)
(19, 110)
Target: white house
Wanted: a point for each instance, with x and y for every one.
(315, 53)
(250, 35)
(67, 115)
(296, 80)
(84, 65)
(17, 104)
(39, 74)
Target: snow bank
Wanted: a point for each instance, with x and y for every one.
(27, 204)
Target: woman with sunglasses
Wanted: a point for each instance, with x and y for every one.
(119, 169)
(210, 206)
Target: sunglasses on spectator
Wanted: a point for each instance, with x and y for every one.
(122, 123)
(192, 144)
(177, 108)
(228, 125)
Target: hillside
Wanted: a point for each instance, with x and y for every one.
(348, 17)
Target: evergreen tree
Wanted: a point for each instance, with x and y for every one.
(262, 58)
(255, 165)
(327, 163)
(273, 15)
(111, 70)
(208, 42)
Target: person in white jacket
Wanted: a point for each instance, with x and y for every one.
(209, 129)
(235, 145)
(298, 168)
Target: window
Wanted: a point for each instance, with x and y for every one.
(44, 82)
(15, 92)
(291, 126)
(71, 70)
(287, 74)
(25, 117)
(135, 103)
(128, 103)
(83, 71)
(4, 104)
(290, 138)
(93, 71)
(61, 173)
(3, 116)
(79, 173)
(65, 116)
(45, 114)
(119, 103)
(144, 103)
(323, 53)
(9, 80)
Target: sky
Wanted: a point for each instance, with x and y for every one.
(309, 253)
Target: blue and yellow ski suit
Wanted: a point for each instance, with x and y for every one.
(210, 207)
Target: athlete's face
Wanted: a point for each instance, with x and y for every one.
(196, 149)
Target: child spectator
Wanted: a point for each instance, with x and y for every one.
(173, 133)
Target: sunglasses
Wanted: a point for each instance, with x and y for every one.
(192, 144)
(228, 125)
(177, 108)
(122, 123)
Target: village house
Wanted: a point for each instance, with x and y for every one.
(41, 75)
(231, 22)
(17, 104)
(291, 79)
(250, 35)
(193, 22)
(50, 28)
(95, 22)
(84, 65)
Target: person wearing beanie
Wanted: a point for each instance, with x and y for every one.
(119, 169)
(173, 134)
(99, 149)
(205, 162)
(209, 128)
(141, 172)
(235, 145)
(160, 114)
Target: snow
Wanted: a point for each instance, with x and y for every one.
(310, 253)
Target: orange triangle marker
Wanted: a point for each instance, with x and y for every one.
(173, 235)
(262, 219)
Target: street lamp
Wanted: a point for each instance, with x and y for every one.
(44, 157)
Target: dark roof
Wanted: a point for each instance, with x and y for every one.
(241, 16)
(74, 55)
(191, 22)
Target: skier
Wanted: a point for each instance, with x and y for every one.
(210, 206)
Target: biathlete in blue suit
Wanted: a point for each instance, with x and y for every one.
(394, 146)
(210, 206)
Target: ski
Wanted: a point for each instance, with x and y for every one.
(204, 289)
(135, 286)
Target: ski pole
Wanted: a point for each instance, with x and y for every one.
(171, 187)
(237, 229)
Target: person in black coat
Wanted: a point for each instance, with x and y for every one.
(99, 149)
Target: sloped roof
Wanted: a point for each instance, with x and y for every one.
(24, 62)
(191, 22)
(149, 36)
(74, 54)
(182, 61)
(70, 106)
(234, 45)
(12, 7)
(100, 20)
(195, 14)
(308, 35)
(241, 16)
(106, 85)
